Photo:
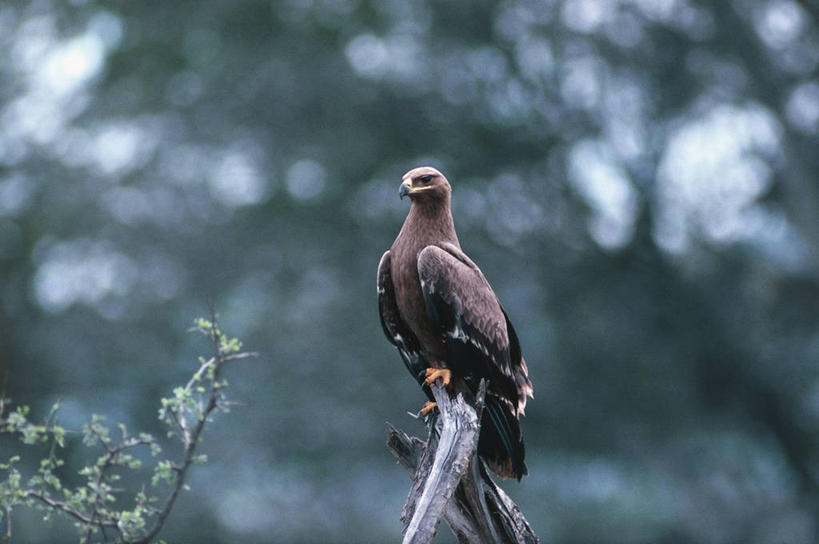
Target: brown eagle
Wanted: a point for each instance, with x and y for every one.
(437, 308)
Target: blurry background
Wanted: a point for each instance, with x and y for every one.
(637, 179)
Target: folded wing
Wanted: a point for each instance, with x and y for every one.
(396, 331)
(481, 343)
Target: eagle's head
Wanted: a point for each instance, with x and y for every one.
(424, 183)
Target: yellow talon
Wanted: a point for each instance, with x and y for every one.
(433, 374)
(428, 407)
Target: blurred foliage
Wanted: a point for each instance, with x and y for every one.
(637, 179)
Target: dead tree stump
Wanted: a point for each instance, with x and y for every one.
(450, 482)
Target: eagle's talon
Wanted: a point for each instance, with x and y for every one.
(433, 374)
(428, 407)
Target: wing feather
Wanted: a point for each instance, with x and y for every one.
(480, 343)
(396, 331)
(476, 328)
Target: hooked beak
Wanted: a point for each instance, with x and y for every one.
(405, 188)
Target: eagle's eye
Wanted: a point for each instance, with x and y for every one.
(425, 179)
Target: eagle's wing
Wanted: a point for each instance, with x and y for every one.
(396, 331)
(481, 343)
(480, 339)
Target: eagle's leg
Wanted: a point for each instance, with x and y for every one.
(428, 407)
(433, 374)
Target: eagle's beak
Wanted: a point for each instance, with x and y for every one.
(405, 188)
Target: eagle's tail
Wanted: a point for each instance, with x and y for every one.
(501, 442)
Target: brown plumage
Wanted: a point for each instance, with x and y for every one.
(438, 309)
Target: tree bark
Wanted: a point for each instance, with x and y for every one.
(450, 482)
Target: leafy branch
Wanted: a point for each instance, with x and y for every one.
(96, 506)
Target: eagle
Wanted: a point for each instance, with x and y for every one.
(439, 310)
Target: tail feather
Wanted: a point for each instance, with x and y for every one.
(501, 442)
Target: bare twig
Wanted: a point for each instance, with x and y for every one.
(111, 455)
(7, 519)
(67, 509)
(191, 436)
(186, 413)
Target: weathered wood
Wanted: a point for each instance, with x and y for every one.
(476, 510)
(435, 482)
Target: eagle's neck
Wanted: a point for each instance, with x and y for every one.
(428, 222)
